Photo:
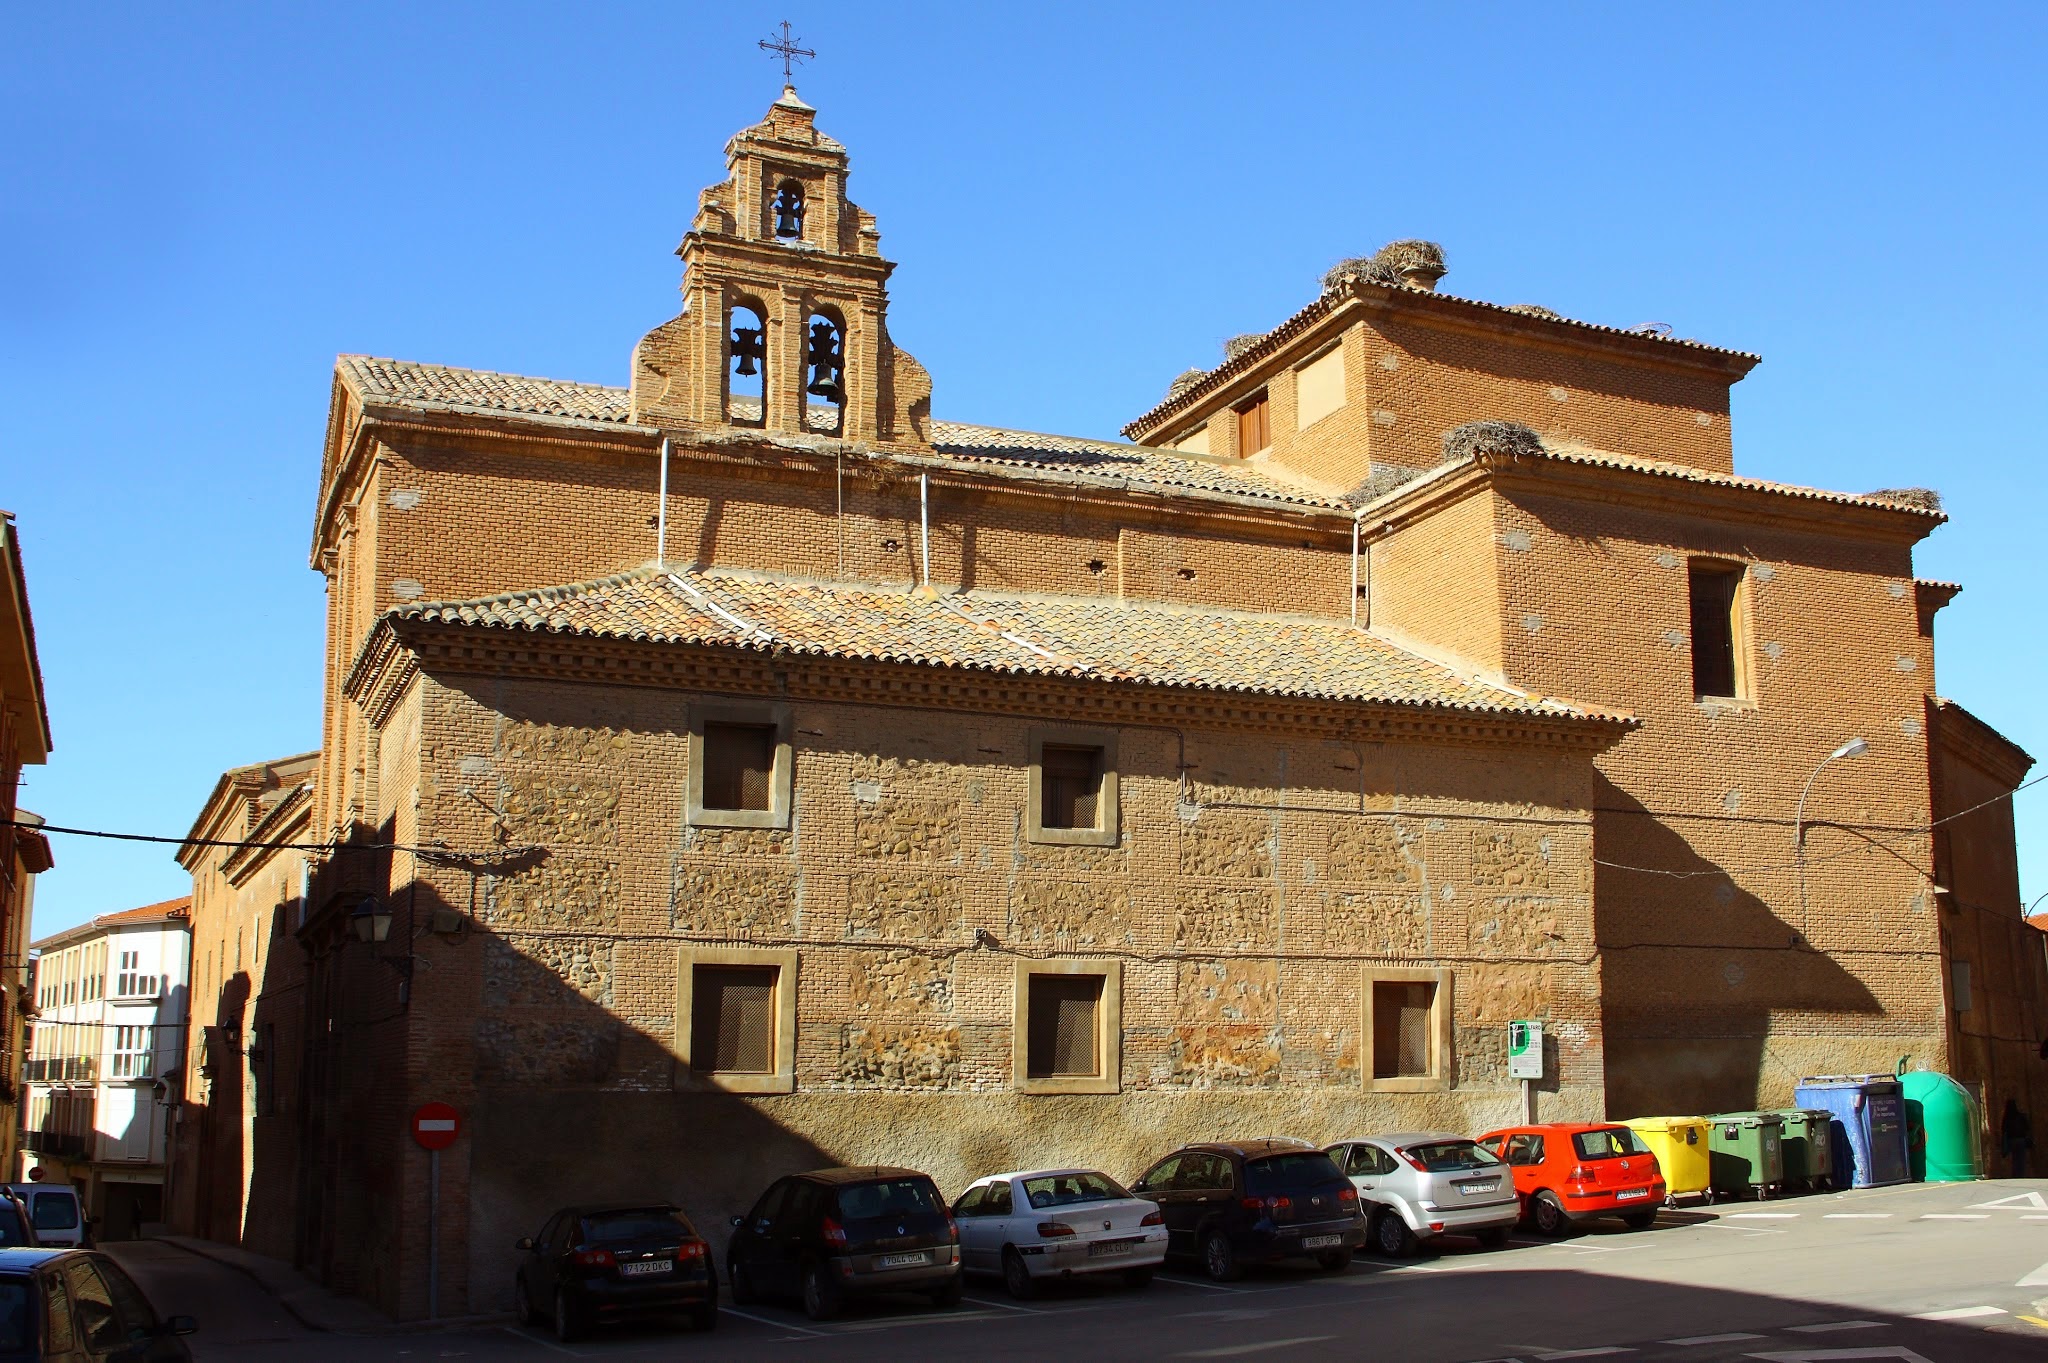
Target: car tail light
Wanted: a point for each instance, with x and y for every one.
(1153, 1219)
(693, 1250)
(595, 1258)
(1267, 1204)
(1347, 1194)
(834, 1233)
(1413, 1163)
(1581, 1174)
(952, 1229)
(1052, 1230)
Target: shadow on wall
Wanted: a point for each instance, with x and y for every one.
(1694, 969)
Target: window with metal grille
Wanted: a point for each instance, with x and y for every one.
(1713, 588)
(1254, 425)
(1401, 1029)
(1070, 786)
(739, 765)
(1064, 1032)
(732, 1022)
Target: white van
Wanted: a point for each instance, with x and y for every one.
(54, 1211)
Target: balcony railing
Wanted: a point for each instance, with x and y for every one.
(61, 1069)
(62, 1144)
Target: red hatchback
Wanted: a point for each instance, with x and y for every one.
(1569, 1172)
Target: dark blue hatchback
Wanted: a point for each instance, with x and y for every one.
(66, 1305)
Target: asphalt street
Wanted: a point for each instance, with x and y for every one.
(1945, 1274)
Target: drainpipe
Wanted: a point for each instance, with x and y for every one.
(924, 524)
(661, 512)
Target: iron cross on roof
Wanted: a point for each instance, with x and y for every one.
(784, 48)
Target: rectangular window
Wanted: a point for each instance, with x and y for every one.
(1065, 1012)
(1400, 1029)
(1318, 388)
(1713, 590)
(739, 765)
(1959, 985)
(132, 1052)
(732, 1029)
(1254, 426)
(1070, 786)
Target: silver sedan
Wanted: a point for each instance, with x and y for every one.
(1057, 1223)
(1419, 1185)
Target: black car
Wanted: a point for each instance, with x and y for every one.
(591, 1264)
(835, 1233)
(1228, 1205)
(62, 1305)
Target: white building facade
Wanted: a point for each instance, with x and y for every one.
(106, 1037)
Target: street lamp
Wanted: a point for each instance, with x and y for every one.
(1855, 747)
(370, 919)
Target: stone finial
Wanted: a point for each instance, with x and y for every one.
(1492, 443)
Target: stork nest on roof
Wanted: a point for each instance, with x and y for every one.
(1237, 345)
(1484, 441)
(1536, 310)
(1186, 379)
(1919, 498)
(1385, 265)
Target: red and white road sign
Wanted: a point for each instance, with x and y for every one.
(436, 1125)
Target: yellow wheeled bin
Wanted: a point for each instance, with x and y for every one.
(1680, 1145)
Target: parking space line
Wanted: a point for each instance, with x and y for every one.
(1857, 1216)
(1961, 1313)
(1763, 1216)
(2035, 1216)
(777, 1324)
(530, 1338)
(1198, 1286)
(1691, 1340)
(1955, 1216)
(869, 1327)
(1263, 1346)
(1584, 1353)
(1829, 1326)
(2038, 1278)
(1004, 1305)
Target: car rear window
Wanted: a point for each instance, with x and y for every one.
(891, 1197)
(1283, 1173)
(1063, 1190)
(1611, 1142)
(55, 1211)
(615, 1228)
(17, 1318)
(1450, 1157)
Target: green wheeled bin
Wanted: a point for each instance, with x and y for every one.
(1746, 1151)
(1809, 1147)
(1942, 1122)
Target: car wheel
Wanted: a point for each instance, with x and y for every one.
(1017, 1277)
(1639, 1220)
(1546, 1214)
(1135, 1278)
(522, 1302)
(568, 1320)
(948, 1297)
(705, 1317)
(1493, 1237)
(1219, 1260)
(1334, 1260)
(743, 1293)
(1391, 1236)
(821, 1294)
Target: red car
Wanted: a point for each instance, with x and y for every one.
(1570, 1172)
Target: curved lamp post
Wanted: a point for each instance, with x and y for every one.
(1855, 747)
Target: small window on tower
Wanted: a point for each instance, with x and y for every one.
(825, 362)
(1715, 592)
(1254, 425)
(789, 210)
(746, 376)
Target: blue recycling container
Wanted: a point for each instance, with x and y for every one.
(1867, 1133)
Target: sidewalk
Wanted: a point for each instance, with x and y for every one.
(312, 1305)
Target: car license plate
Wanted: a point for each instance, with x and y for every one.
(1105, 1247)
(902, 1260)
(1626, 1193)
(1321, 1241)
(1473, 1189)
(650, 1266)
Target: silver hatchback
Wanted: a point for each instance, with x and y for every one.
(1419, 1185)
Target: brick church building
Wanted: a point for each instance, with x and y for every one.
(748, 768)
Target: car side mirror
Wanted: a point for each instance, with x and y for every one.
(1141, 1186)
(181, 1325)
(524, 1242)
(738, 1221)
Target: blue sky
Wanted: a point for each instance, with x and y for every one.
(200, 206)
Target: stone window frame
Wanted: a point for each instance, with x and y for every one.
(1442, 1059)
(1109, 1027)
(781, 780)
(1108, 808)
(781, 1079)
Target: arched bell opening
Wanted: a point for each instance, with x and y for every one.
(787, 210)
(825, 372)
(746, 365)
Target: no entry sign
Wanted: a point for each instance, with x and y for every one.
(436, 1125)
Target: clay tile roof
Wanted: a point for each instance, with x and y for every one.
(1571, 453)
(1140, 466)
(163, 911)
(480, 390)
(1086, 638)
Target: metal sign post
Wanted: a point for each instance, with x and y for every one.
(435, 1127)
(1525, 1062)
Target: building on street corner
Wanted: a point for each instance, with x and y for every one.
(109, 1032)
(24, 850)
(749, 767)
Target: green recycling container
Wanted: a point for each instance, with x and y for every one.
(1942, 1122)
(1809, 1148)
(1746, 1151)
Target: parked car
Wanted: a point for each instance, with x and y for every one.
(1232, 1204)
(1057, 1223)
(834, 1233)
(603, 1263)
(1417, 1186)
(56, 1213)
(16, 1230)
(69, 1304)
(1567, 1173)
